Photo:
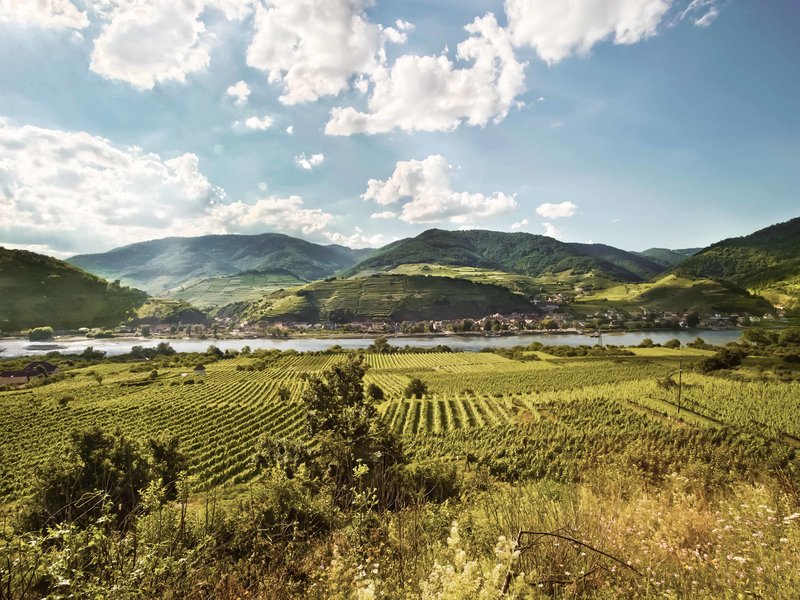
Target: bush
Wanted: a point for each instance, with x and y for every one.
(676, 343)
(416, 388)
(38, 334)
(375, 392)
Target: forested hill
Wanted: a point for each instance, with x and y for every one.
(521, 253)
(160, 265)
(766, 262)
(630, 262)
(668, 258)
(40, 290)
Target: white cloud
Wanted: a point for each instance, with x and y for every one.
(286, 214)
(519, 224)
(290, 129)
(259, 124)
(556, 211)
(152, 41)
(70, 192)
(386, 214)
(309, 162)
(429, 93)
(262, 185)
(239, 91)
(557, 29)
(314, 47)
(702, 12)
(551, 230)
(425, 184)
(43, 13)
(356, 240)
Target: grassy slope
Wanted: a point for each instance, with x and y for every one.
(40, 290)
(244, 287)
(675, 293)
(162, 265)
(766, 262)
(519, 253)
(396, 297)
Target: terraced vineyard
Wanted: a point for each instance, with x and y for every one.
(479, 404)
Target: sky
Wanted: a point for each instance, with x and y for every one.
(635, 123)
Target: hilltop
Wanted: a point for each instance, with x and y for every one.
(159, 266)
(40, 290)
(519, 253)
(766, 262)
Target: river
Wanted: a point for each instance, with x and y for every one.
(467, 343)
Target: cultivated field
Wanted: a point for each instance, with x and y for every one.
(552, 416)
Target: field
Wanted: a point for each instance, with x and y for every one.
(245, 287)
(480, 404)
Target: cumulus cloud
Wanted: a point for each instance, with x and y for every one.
(287, 214)
(430, 93)
(556, 211)
(152, 41)
(309, 162)
(557, 29)
(551, 230)
(386, 214)
(73, 192)
(356, 240)
(314, 47)
(43, 13)
(290, 129)
(239, 91)
(519, 224)
(423, 187)
(259, 124)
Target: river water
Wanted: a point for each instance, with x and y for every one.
(467, 343)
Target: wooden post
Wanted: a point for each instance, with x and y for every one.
(680, 385)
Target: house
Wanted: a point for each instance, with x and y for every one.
(13, 378)
(37, 368)
(199, 370)
(40, 367)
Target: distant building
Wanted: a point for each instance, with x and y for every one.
(37, 368)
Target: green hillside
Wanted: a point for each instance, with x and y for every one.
(244, 287)
(668, 258)
(394, 297)
(159, 266)
(39, 290)
(521, 253)
(634, 266)
(766, 262)
(674, 293)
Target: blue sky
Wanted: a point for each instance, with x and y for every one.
(635, 123)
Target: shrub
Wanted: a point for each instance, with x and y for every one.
(38, 334)
(416, 388)
(375, 392)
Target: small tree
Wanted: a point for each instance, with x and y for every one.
(675, 343)
(416, 388)
(38, 334)
(375, 392)
(284, 394)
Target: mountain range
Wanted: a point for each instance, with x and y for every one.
(432, 275)
(159, 266)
